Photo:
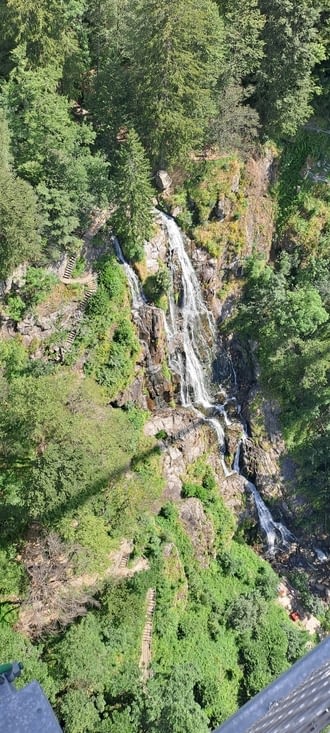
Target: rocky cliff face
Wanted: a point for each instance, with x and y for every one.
(152, 386)
(215, 272)
(186, 437)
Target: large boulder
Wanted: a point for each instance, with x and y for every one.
(162, 180)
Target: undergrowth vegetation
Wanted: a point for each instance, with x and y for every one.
(290, 302)
(218, 635)
(211, 205)
(106, 334)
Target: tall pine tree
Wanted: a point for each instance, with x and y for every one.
(244, 44)
(109, 98)
(19, 219)
(285, 84)
(52, 152)
(133, 194)
(236, 123)
(48, 28)
(175, 48)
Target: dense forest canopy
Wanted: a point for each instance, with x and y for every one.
(95, 97)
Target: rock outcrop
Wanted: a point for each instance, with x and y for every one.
(155, 251)
(150, 323)
(163, 180)
(185, 438)
(199, 529)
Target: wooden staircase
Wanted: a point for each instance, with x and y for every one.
(91, 290)
(146, 655)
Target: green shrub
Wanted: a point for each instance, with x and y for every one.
(79, 267)
(113, 279)
(190, 489)
(98, 304)
(161, 435)
(16, 307)
(38, 284)
(156, 286)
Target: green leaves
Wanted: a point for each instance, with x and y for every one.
(174, 705)
(175, 58)
(20, 223)
(285, 85)
(132, 220)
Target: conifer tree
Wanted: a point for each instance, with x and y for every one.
(19, 223)
(109, 97)
(51, 151)
(175, 48)
(19, 219)
(285, 84)
(244, 44)
(48, 28)
(133, 194)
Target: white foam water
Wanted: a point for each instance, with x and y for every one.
(190, 332)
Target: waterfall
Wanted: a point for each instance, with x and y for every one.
(274, 530)
(191, 319)
(190, 329)
(188, 325)
(237, 456)
(138, 298)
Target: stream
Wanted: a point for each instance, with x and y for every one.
(191, 340)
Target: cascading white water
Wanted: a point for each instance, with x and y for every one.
(188, 327)
(138, 298)
(275, 531)
(191, 317)
(237, 457)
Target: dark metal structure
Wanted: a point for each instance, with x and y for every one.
(26, 710)
(297, 702)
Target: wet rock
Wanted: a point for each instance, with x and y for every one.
(200, 530)
(153, 363)
(234, 434)
(163, 180)
(286, 510)
(155, 252)
(263, 467)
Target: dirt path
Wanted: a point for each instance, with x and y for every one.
(288, 599)
(85, 280)
(117, 568)
(75, 587)
(146, 652)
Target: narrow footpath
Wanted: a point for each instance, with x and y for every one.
(146, 651)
